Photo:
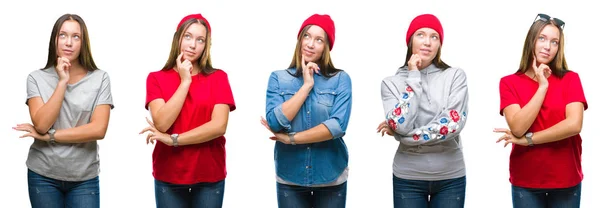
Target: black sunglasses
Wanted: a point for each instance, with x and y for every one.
(546, 18)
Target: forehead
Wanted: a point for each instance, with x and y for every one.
(550, 31)
(316, 30)
(70, 26)
(426, 30)
(196, 29)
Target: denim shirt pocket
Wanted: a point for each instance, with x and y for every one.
(325, 96)
(287, 94)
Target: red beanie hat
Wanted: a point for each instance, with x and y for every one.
(323, 21)
(195, 16)
(425, 20)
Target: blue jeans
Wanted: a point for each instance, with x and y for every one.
(552, 198)
(50, 193)
(429, 194)
(289, 196)
(205, 195)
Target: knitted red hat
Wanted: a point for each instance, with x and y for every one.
(196, 16)
(425, 20)
(323, 21)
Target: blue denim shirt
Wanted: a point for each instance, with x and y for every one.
(329, 103)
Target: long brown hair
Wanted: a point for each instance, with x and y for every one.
(558, 65)
(204, 60)
(437, 60)
(85, 54)
(324, 63)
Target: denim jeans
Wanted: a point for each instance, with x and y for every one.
(289, 196)
(50, 193)
(429, 194)
(199, 195)
(552, 198)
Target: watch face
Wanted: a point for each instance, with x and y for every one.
(529, 134)
(51, 131)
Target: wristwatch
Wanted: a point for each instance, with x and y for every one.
(528, 136)
(51, 134)
(174, 138)
(291, 135)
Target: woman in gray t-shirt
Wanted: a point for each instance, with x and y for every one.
(69, 103)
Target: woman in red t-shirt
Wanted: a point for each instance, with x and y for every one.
(543, 103)
(190, 103)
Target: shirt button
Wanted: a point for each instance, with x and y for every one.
(308, 112)
(308, 148)
(307, 167)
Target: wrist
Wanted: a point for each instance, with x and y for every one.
(174, 140)
(306, 87)
(49, 137)
(186, 82)
(291, 138)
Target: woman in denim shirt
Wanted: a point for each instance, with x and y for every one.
(308, 108)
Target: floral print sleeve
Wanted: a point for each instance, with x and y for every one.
(447, 124)
(400, 101)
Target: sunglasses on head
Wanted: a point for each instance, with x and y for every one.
(546, 18)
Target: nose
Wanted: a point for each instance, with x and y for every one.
(311, 43)
(193, 44)
(69, 41)
(547, 45)
(427, 41)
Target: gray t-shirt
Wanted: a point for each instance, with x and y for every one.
(68, 162)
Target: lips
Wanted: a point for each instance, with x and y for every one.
(308, 53)
(544, 54)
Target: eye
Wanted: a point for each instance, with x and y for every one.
(305, 36)
(62, 35)
(419, 34)
(542, 38)
(554, 42)
(76, 37)
(435, 37)
(187, 36)
(320, 40)
(200, 40)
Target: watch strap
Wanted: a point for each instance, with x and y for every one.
(291, 135)
(174, 137)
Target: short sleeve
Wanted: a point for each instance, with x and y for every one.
(33, 89)
(153, 91)
(223, 94)
(507, 94)
(574, 89)
(105, 95)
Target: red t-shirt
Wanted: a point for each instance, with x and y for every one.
(550, 165)
(195, 163)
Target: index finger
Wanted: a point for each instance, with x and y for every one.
(150, 122)
(534, 62)
(303, 63)
(501, 130)
(179, 58)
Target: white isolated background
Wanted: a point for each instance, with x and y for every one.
(129, 39)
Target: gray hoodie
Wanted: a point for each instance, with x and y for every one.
(427, 109)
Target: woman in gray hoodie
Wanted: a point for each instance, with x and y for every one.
(425, 106)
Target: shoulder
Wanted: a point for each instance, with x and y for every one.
(510, 78)
(47, 72)
(160, 73)
(217, 73)
(570, 75)
(400, 76)
(99, 73)
(283, 73)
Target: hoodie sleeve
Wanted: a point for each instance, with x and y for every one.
(401, 101)
(448, 123)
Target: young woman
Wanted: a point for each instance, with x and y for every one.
(190, 103)
(425, 106)
(69, 103)
(543, 103)
(307, 108)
